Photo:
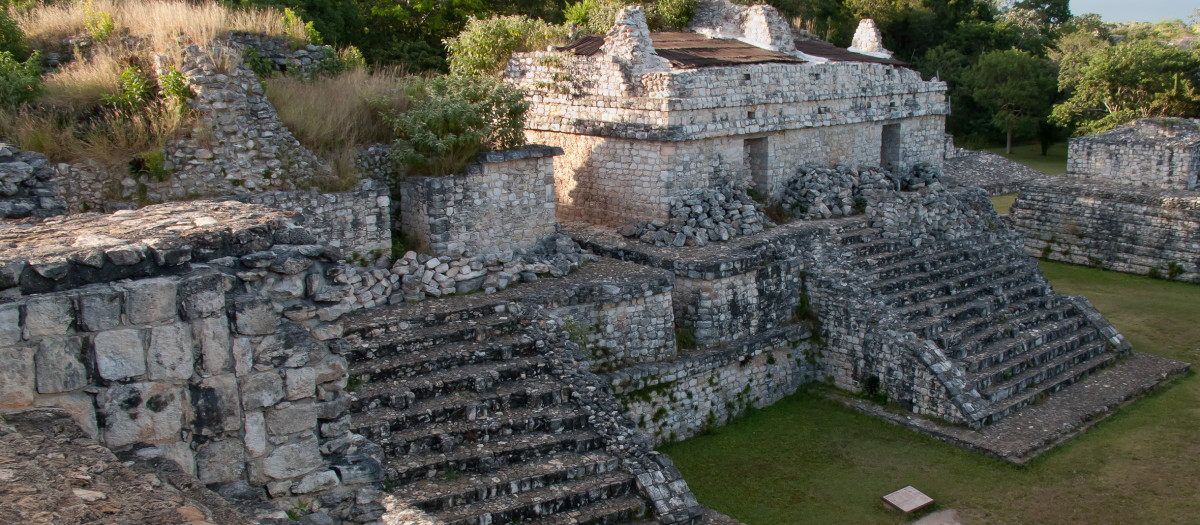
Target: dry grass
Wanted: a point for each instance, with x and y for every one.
(332, 115)
(159, 22)
(84, 83)
(109, 138)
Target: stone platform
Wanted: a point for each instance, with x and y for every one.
(994, 173)
(1038, 428)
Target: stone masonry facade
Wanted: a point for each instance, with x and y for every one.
(635, 135)
(1152, 153)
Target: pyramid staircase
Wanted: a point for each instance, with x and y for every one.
(986, 306)
(475, 426)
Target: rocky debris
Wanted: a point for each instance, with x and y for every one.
(65, 252)
(417, 276)
(994, 173)
(26, 185)
(822, 193)
(708, 215)
(52, 473)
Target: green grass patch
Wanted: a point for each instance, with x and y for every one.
(810, 460)
(1053, 163)
(1003, 203)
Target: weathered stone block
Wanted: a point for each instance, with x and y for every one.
(59, 366)
(296, 459)
(16, 377)
(216, 405)
(178, 451)
(47, 315)
(120, 354)
(243, 356)
(301, 383)
(256, 434)
(150, 300)
(254, 315)
(10, 324)
(79, 405)
(99, 309)
(316, 481)
(262, 389)
(141, 413)
(220, 462)
(298, 417)
(170, 353)
(203, 295)
(330, 369)
(212, 334)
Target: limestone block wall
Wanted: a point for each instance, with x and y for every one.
(623, 333)
(504, 202)
(27, 185)
(358, 221)
(676, 399)
(204, 341)
(1118, 227)
(1144, 153)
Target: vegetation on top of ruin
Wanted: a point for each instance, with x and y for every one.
(1134, 467)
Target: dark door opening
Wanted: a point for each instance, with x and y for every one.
(889, 149)
(754, 158)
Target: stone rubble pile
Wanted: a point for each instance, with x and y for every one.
(821, 193)
(922, 175)
(416, 276)
(26, 185)
(712, 214)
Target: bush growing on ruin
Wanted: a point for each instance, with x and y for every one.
(12, 40)
(20, 82)
(484, 47)
(453, 118)
(597, 16)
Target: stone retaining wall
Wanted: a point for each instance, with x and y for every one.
(211, 352)
(1155, 153)
(1117, 227)
(505, 201)
(358, 222)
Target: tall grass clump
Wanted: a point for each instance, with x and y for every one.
(332, 115)
(160, 22)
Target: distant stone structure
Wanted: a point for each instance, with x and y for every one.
(1129, 202)
(645, 118)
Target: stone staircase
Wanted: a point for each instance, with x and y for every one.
(476, 426)
(985, 304)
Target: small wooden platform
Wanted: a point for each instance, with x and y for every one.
(908, 499)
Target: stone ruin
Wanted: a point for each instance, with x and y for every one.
(1129, 202)
(244, 339)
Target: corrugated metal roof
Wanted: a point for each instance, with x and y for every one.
(692, 50)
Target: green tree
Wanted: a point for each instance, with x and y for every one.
(1017, 87)
(1131, 80)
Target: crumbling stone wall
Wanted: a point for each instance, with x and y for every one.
(1157, 153)
(27, 185)
(505, 201)
(212, 352)
(358, 221)
(1133, 230)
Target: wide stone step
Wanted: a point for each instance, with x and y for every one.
(982, 299)
(1063, 378)
(440, 494)
(980, 281)
(574, 494)
(400, 411)
(475, 378)
(402, 342)
(625, 509)
(430, 360)
(490, 456)
(883, 248)
(918, 275)
(984, 314)
(1013, 349)
(403, 317)
(971, 334)
(1052, 363)
(943, 257)
(447, 435)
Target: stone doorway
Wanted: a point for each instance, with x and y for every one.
(754, 159)
(889, 149)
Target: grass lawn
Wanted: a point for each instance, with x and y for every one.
(809, 460)
(1002, 203)
(1054, 163)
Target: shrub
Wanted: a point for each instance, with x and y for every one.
(298, 31)
(485, 45)
(12, 40)
(20, 82)
(174, 88)
(99, 24)
(453, 118)
(135, 90)
(597, 16)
